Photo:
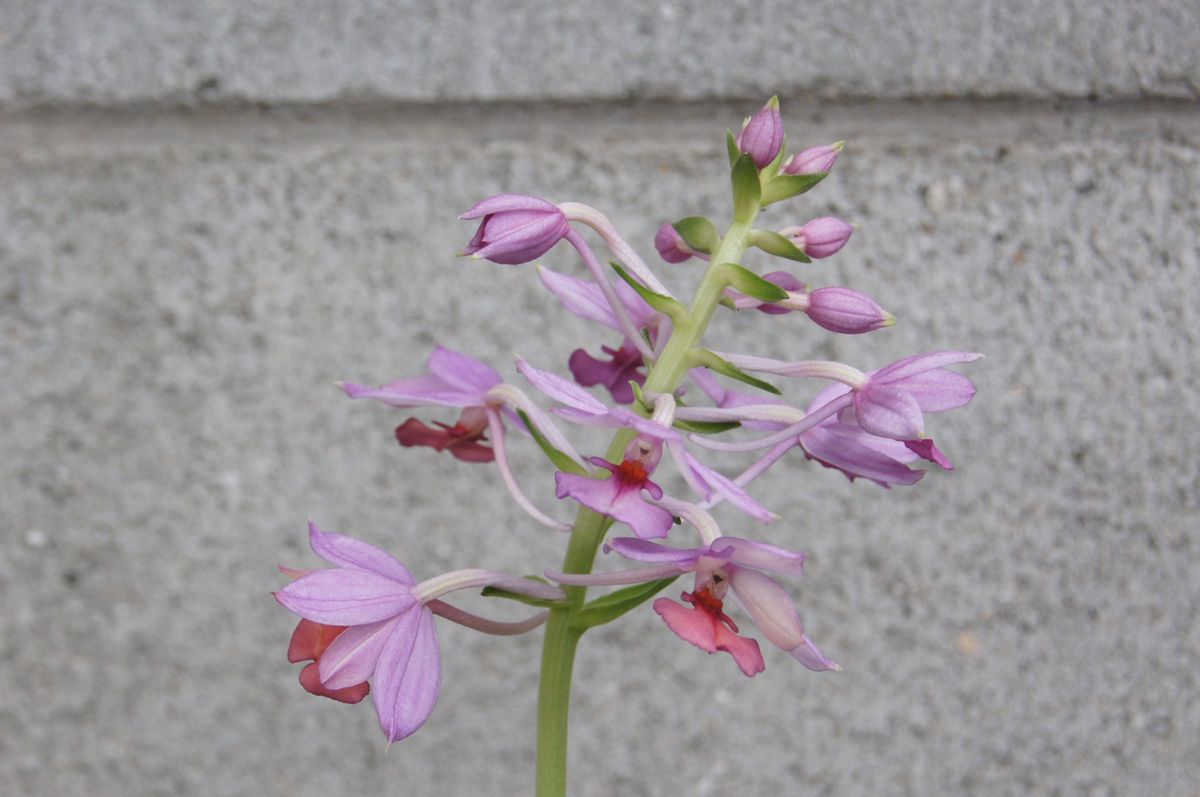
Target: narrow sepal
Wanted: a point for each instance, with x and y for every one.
(698, 233)
(609, 607)
(747, 189)
(732, 147)
(775, 244)
(786, 186)
(663, 304)
(560, 460)
(711, 361)
(746, 281)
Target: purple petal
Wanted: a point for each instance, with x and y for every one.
(415, 392)
(585, 299)
(770, 606)
(734, 494)
(646, 551)
(351, 658)
(811, 657)
(918, 363)
(614, 374)
(926, 450)
(462, 371)
(502, 202)
(618, 501)
(511, 240)
(888, 411)
(338, 549)
(846, 449)
(938, 390)
(345, 596)
(408, 677)
(561, 390)
(761, 556)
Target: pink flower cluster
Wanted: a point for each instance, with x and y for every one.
(367, 625)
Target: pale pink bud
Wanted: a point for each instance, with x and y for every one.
(813, 160)
(847, 311)
(821, 237)
(670, 244)
(762, 135)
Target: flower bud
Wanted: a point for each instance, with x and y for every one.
(813, 160)
(820, 237)
(670, 244)
(515, 229)
(847, 311)
(762, 135)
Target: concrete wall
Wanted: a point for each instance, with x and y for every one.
(209, 212)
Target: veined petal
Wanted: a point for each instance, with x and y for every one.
(415, 391)
(646, 551)
(345, 596)
(352, 656)
(561, 390)
(585, 299)
(762, 556)
(610, 497)
(408, 677)
(939, 390)
(462, 371)
(888, 411)
(770, 606)
(811, 657)
(854, 456)
(338, 549)
(918, 363)
(501, 202)
(734, 494)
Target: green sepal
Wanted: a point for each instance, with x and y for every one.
(727, 302)
(785, 186)
(544, 603)
(712, 362)
(706, 427)
(779, 245)
(746, 281)
(558, 458)
(609, 607)
(698, 233)
(731, 145)
(747, 190)
(663, 304)
(639, 398)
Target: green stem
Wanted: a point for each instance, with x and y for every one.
(562, 633)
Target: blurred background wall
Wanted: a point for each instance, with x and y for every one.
(211, 211)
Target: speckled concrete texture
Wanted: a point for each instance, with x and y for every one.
(180, 287)
(176, 51)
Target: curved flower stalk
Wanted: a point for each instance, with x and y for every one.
(379, 627)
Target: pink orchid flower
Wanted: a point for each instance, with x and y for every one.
(386, 634)
(723, 564)
(515, 229)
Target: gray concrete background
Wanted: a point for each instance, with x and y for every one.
(210, 212)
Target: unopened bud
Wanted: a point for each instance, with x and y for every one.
(847, 311)
(762, 135)
(813, 160)
(821, 237)
(670, 244)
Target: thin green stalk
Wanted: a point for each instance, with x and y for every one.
(562, 634)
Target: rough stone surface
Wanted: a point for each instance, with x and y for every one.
(178, 291)
(180, 52)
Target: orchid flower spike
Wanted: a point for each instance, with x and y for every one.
(368, 620)
(514, 228)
